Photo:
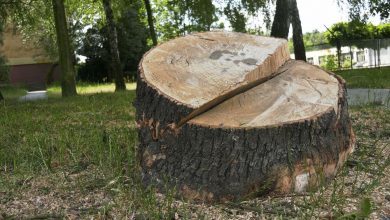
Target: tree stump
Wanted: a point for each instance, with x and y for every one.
(224, 116)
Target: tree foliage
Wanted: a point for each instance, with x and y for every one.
(361, 10)
(132, 44)
(236, 17)
(356, 33)
(329, 62)
(237, 13)
(176, 17)
(314, 38)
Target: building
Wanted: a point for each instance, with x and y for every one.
(29, 64)
(360, 58)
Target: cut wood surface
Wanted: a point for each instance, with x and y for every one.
(225, 116)
(300, 91)
(198, 68)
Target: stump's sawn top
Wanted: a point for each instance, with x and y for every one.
(197, 68)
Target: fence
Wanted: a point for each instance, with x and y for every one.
(350, 54)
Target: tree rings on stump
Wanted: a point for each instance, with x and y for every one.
(224, 116)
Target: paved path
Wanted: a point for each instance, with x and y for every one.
(34, 95)
(365, 96)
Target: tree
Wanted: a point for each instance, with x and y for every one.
(132, 40)
(201, 13)
(353, 33)
(287, 13)
(3, 67)
(44, 22)
(254, 7)
(66, 56)
(149, 13)
(281, 23)
(329, 62)
(360, 10)
(177, 17)
(314, 38)
(236, 18)
(114, 52)
(299, 46)
(132, 44)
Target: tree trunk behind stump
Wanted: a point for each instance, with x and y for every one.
(225, 116)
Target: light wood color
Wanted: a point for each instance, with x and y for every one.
(195, 69)
(301, 91)
(225, 116)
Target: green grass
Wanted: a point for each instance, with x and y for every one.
(88, 88)
(77, 145)
(11, 92)
(54, 91)
(367, 78)
(85, 146)
(43, 135)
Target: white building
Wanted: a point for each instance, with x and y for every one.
(360, 57)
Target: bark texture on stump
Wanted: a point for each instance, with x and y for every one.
(225, 116)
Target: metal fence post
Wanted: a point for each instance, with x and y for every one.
(350, 52)
(379, 52)
(339, 53)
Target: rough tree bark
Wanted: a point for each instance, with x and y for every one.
(114, 52)
(68, 82)
(225, 116)
(281, 24)
(299, 46)
(149, 12)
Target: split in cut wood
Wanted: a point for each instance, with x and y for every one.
(225, 116)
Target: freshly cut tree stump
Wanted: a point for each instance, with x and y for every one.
(225, 116)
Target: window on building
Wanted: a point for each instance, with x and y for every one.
(345, 56)
(310, 60)
(360, 56)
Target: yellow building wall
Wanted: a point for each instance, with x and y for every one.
(18, 52)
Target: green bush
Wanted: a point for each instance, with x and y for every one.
(330, 62)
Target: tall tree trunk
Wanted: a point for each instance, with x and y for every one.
(281, 23)
(1, 96)
(68, 82)
(299, 46)
(150, 22)
(113, 40)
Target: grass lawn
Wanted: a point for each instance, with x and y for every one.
(367, 78)
(88, 88)
(75, 158)
(12, 93)
(54, 91)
